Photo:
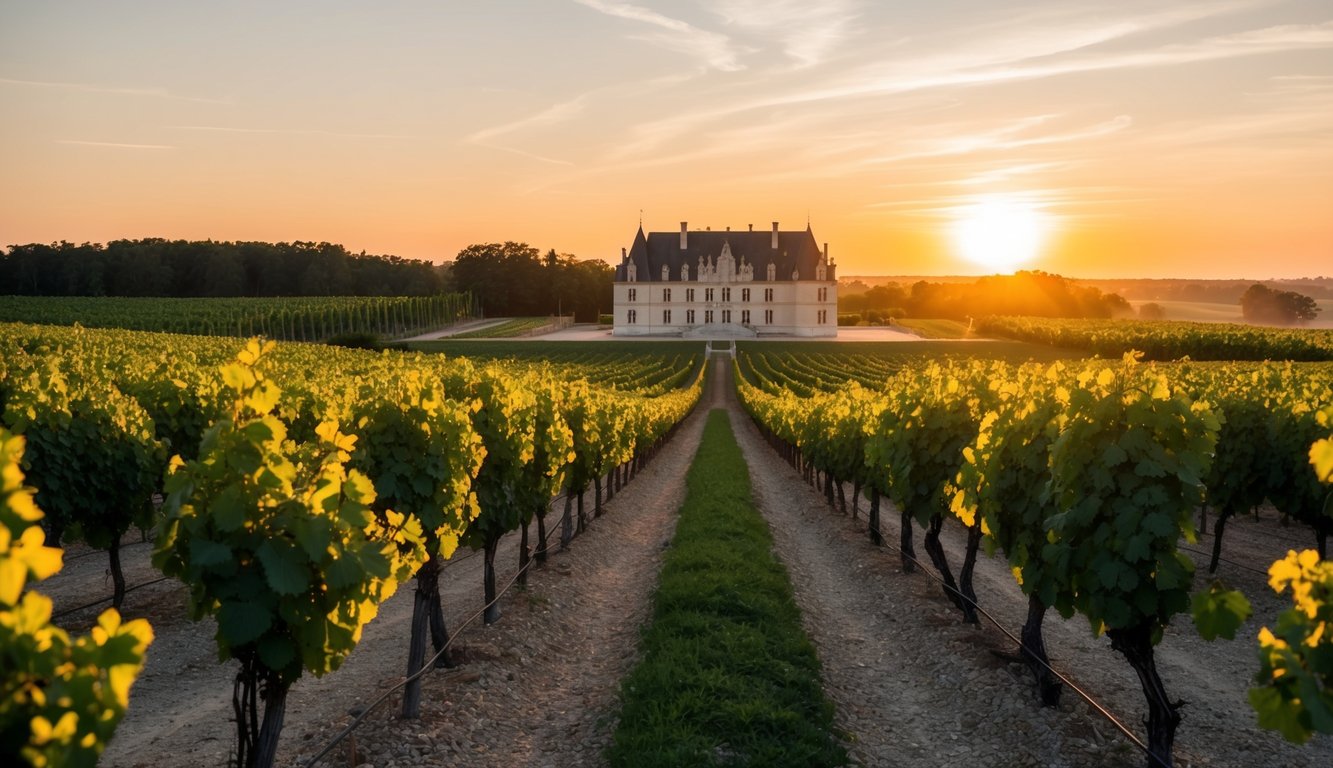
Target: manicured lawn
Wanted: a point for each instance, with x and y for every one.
(935, 329)
(728, 676)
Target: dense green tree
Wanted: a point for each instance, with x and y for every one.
(1152, 311)
(514, 279)
(1261, 304)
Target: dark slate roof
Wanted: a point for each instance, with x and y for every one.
(795, 251)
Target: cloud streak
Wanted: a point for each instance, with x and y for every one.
(714, 49)
(291, 132)
(112, 144)
(807, 32)
(1015, 51)
(157, 93)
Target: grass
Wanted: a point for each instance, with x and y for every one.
(935, 329)
(518, 326)
(728, 676)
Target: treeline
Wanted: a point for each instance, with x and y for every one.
(515, 279)
(1211, 291)
(1036, 294)
(194, 268)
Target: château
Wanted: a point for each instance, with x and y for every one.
(724, 283)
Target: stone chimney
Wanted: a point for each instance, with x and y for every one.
(751, 227)
(775, 235)
(825, 253)
(684, 235)
(623, 255)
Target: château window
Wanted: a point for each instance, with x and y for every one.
(633, 316)
(666, 316)
(689, 294)
(689, 316)
(633, 292)
(768, 294)
(745, 316)
(768, 317)
(726, 294)
(708, 294)
(708, 315)
(726, 315)
(745, 294)
(666, 294)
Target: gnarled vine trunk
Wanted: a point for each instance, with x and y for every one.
(424, 601)
(876, 535)
(567, 522)
(1218, 528)
(907, 551)
(541, 535)
(965, 574)
(1033, 651)
(1135, 643)
(117, 574)
(256, 743)
(492, 613)
(936, 551)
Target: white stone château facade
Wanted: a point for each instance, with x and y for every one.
(726, 283)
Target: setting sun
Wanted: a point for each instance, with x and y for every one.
(1000, 233)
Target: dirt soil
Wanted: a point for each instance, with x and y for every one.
(912, 685)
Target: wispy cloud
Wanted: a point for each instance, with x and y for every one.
(527, 154)
(1015, 135)
(563, 112)
(291, 132)
(806, 31)
(113, 144)
(1047, 63)
(1018, 48)
(714, 49)
(556, 113)
(1008, 173)
(157, 93)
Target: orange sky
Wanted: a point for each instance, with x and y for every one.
(1147, 139)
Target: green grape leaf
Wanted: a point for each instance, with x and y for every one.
(228, 509)
(1280, 714)
(1318, 704)
(281, 566)
(344, 571)
(277, 651)
(1158, 524)
(1219, 612)
(206, 552)
(243, 622)
(313, 535)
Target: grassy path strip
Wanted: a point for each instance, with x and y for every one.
(728, 675)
